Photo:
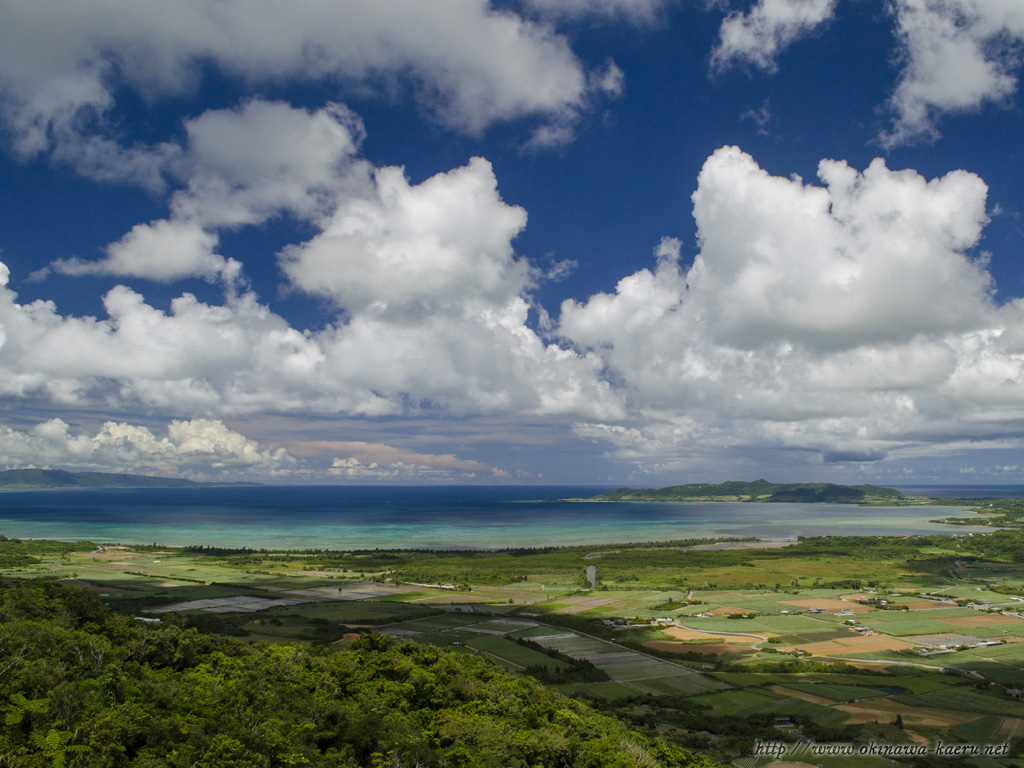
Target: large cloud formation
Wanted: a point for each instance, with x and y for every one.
(206, 449)
(473, 66)
(848, 320)
(199, 447)
(432, 303)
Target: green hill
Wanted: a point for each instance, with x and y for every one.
(83, 687)
(59, 478)
(759, 491)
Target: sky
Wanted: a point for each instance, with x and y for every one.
(608, 242)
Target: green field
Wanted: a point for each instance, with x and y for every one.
(1011, 653)
(1017, 630)
(773, 601)
(505, 592)
(978, 731)
(356, 611)
(533, 632)
(933, 614)
(995, 631)
(837, 692)
(677, 684)
(792, 707)
(913, 626)
(753, 679)
(731, 702)
(434, 623)
(607, 691)
(965, 700)
(781, 625)
(512, 652)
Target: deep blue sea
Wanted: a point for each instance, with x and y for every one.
(963, 491)
(432, 517)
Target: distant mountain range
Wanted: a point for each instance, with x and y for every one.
(760, 491)
(59, 478)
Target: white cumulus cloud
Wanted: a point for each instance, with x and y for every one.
(849, 321)
(432, 314)
(957, 56)
(241, 167)
(261, 159)
(196, 447)
(407, 247)
(377, 461)
(165, 251)
(953, 55)
(766, 30)
(473, 66)
(877, 255)
(846, 320)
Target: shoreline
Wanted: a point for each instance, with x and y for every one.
(709, 544)
(447, 519)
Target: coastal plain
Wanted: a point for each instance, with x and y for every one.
(708, 644)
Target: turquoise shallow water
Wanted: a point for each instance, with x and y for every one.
(361, 517)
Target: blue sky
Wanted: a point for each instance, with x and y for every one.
(632, 242)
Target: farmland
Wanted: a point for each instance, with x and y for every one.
(705, 646)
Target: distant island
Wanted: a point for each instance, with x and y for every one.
(763, 491)
(13, 479)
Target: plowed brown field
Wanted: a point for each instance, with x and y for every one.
(678, 633)
(856, 644)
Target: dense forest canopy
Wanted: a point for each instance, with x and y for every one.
(80, 686)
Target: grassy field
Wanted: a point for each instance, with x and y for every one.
(1011, 654)
(837, 691)
(794, 707)
(964, 700)
(731, 702)
(434, 623)
(939, 614)
(513, 653)
(605, 691)
(356, 612)
(777, 625)
(910, 626)
(982, 730)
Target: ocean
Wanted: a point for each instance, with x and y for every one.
(429, 517)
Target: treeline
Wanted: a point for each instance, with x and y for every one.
(1007, 546)
(621, 563)
(80, 686)
(994, 511)
(462, 566)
